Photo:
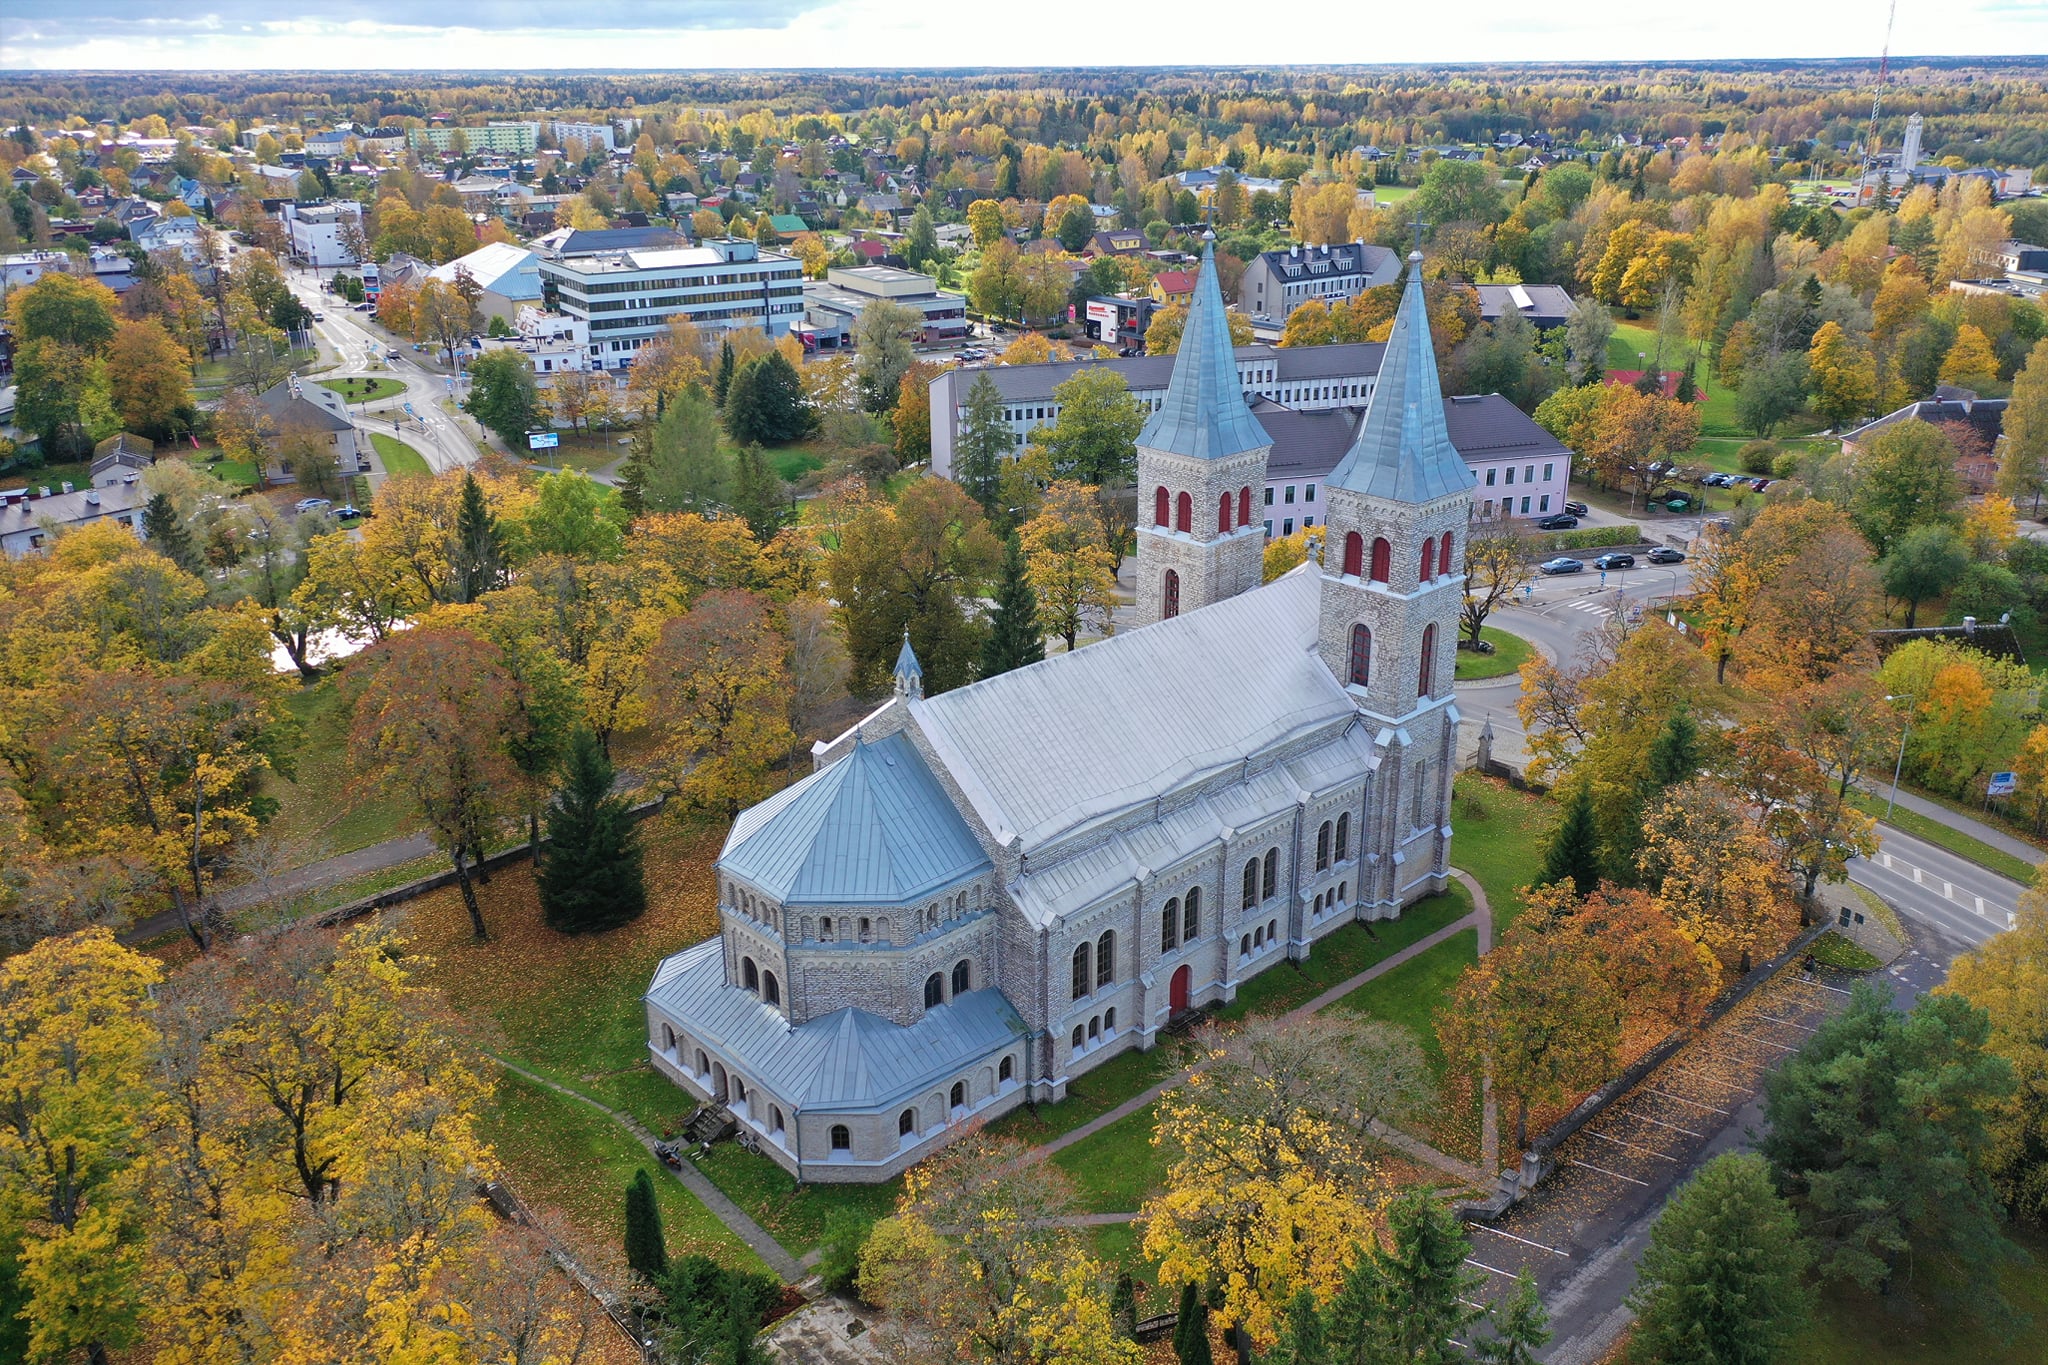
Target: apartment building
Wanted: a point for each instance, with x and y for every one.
(628, 296)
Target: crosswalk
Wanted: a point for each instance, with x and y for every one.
(1592, 608)
(1962, 896)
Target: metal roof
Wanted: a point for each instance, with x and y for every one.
(1404, 451)
(1051, 747)
(1151, 373)
(1203, 414)
(848, 1059)
(873, 828)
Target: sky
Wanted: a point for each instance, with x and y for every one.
(691, 34)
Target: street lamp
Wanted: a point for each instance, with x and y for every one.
(1899, 766)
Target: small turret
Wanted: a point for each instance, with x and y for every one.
(909, 675)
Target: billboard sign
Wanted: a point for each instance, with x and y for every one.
(2003, 784)
(543, 440)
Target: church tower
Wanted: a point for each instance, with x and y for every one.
(1392, 587)
(1201, 468)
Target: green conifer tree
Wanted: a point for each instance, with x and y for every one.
(1014, 638)
(757, 495)
(1123, 1304)
(1574, 854)
(632, 479)
(1722, 1279)
(590, 876)
(646, 1247)
(984, 443)
(478, 563)
(1674, 759)
(166, 531)
(721, 383)
(1184, 1320)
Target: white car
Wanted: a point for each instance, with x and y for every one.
(312, 505)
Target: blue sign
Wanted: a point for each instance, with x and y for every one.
(2003, 784)
(543, 440)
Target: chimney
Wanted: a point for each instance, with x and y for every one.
(92, 498)
(1970, 625)
(67, 486)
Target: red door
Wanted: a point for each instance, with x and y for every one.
(1177, 993)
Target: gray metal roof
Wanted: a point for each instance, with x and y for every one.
(906, 660)
(1150, 373)
(848, 1059)
(1203, 414)
(1051, 747)
(872, 828)
(1404, 451)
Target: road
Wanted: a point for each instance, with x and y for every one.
(445, 442)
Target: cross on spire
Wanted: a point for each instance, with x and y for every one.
(1418, 225)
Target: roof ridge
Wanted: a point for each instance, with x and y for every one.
(1203, 414)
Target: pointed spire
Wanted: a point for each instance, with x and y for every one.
(909, 676)
(1403, 450)
(1203, 414)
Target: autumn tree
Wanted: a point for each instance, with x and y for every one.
(718, 679)
(1633, 431)
(1162, 334)
(882, 355)
(1815, 618)
(912, 420)
(1970, 362)
(1725, 585)
(2023, 463)
(150, 380)
(2007, 979)
(431, 728)
(913, 567)
(1497, 566)
(1071, 572)
(74, 1058)
(1841, 375)
(1717, 874)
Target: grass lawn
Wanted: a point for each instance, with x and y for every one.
(323, 808)
(1409, 996)
(1510, 652)
(399, 458)
(1502, 837)
(1836, 951)
(1119, 1168)
(571, 1165)
(365, 389)
(1954, 840)
(50, 476)
(585, 451)
(795, 1216)
(1391, 194)
(1850, 1327)
(791, 463)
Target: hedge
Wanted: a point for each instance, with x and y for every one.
(1594, 537)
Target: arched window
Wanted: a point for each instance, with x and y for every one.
(1244, 506)
(1169, 926)
(961, 976)
(1082, 975)
(1272, 874)
(703, 1063)
(1109, 1021)
(1006, 1070)
(1428, 569)
(775, 1118)
(1382, 559)
(1425, 685)
(934, 990)
(1361, 656)
(906, 1123)
(1159, 505)
(1343, 836)
(865, 929)
(825, 928)
(668, 1038)
(1272, 930)
(842, 1138)
(1080, 1037)
(1354, 554)
(1105, 958)
(1170, 601)
(750, 975)
(1191, 916)
(771, 991)
(1323, 847)
(1244, 945)
(1443, 554)
(1259, 938)
(1094, 1028)
(1223, 515)
(1184, 513)
(1251, 883)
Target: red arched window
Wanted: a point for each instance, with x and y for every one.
(1428, 569)
(1361, 656)
(1382, 559)
(1443, 554)
(1223, 516)
(1354, 554)
(1426, 684)
(1169, 602)
(1184, 513)
(1159, 515)
(1244, 506)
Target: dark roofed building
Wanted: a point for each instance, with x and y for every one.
(569, 242)
(1276, 283)
(1976, 424)
(1544, 305)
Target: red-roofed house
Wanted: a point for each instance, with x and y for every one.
(1174, 286)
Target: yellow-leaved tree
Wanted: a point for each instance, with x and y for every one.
(2007, 978)
(1067, 563)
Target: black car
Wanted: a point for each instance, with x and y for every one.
(1664, 554)
(1561, 565)
(1562, 521)
(1615, 560)
(1577, 509)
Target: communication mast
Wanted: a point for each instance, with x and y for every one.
(1884, 66)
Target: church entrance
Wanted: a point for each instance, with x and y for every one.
(1177, 993)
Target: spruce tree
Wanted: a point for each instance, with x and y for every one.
(1401, 1303)
(984, 443)
(1674, 759)
(1303, 1339)
(1722, 1278)
(589, 875)
(165, 530)
(1014, 638)
(765, 402)
(632, 477)
(646, 1248)
(1521, 1327)
(1675, 753)
(721, 383)
(1191, 1334)
(1574, 854)
(478, 562)
(1191, 1308)
(1123, 1304)
(757, 494)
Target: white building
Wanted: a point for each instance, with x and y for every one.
(554, 342)
(30, 517)
(319, 234)
(627, 297)
(508, 275)
(26, 267)
(565, 132)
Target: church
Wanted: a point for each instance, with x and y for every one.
(978, 896)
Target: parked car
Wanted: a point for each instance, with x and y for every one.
(1561, 521)
(391, 354)
(349, 509)
(1614, 559)
(366, 308)
(312, 505)
(1577, 509)
(1760, 484)
(319, 317)
(1561, 565)
(1664, 554)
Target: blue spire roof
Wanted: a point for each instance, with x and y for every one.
(906, 660)
(1203, 414)
(1403, 450)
